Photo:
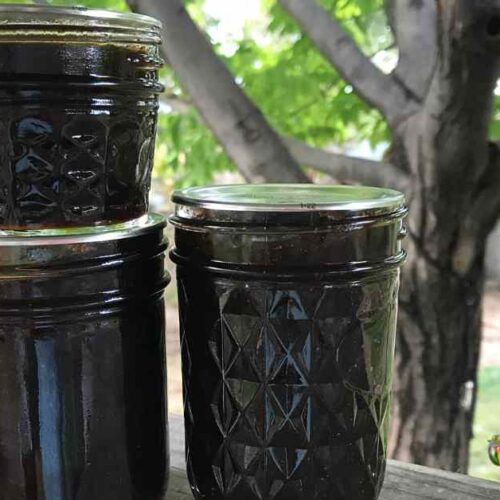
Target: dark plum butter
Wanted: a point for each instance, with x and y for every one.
(82, 363)
(288, 304)
(78, 111)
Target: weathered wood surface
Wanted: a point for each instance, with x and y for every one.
(403, 481)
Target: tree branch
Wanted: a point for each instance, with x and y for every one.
(177, 104)
(238, 124)
(347, 168)
(482, 215)
(341, 167)
(378, 89)
(414, 24)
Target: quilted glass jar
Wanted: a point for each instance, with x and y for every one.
(288, 304)
(78, 111)
(82, 363)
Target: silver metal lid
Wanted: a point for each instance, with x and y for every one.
(79, 235)
(231, 202)
(26, 22)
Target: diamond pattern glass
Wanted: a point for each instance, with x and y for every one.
(64, 168)
(286, 386)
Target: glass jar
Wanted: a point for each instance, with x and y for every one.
(82, 363)
(288, 303)
(78, 112)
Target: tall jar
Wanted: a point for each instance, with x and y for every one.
(82, 363)
(288, 304)
(78, 111)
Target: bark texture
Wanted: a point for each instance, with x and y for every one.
(454, 172)
(345, 168)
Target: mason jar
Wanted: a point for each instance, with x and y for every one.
(288, 304)
(82, 363)
(78, 112)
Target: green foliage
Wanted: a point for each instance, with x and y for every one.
(299, 90)
(296, 88)
(186, 151)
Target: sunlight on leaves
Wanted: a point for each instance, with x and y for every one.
(278, 67)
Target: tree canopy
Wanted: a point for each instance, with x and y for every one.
(297, 90)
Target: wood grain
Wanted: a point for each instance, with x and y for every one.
(402, 482)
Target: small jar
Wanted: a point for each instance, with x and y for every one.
(82, 363)
(288, 303)
(78, 112)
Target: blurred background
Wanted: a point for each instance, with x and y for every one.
(302, 96)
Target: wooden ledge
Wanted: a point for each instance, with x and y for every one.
(402, 482)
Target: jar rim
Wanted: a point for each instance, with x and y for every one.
(45, 21)
(82, 234)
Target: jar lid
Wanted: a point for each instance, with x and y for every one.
(76, 269)
(81, 235)
(260, 202)
(32, 22)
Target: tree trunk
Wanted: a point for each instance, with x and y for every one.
(453, 168)
(436, 365)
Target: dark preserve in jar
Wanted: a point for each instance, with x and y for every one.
(82, 363)
(288, 303)
(78, 111)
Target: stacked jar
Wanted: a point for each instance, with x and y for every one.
(82, 359)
